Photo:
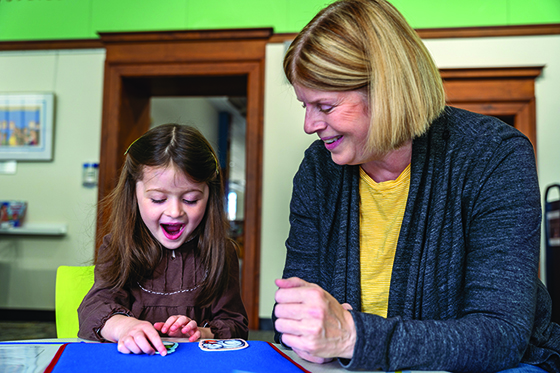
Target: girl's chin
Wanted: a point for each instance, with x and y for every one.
(171, 244)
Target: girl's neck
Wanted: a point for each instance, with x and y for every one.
(391, 165)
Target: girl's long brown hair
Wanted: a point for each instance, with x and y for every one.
(133, 253)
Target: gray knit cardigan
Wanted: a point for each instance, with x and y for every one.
(464, 295)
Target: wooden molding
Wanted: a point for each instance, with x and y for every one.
(160, 36)
(507, 91)
(489, 31)
(425, 33)
(531, 72)
(464, 32)
(50, 44)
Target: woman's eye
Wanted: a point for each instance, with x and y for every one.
(325, 108)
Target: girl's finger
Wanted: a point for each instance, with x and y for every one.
(189, 327)
(129, 346)
(179, 323)
(122, 348)
(144, 345)
(153, 342)
(195, 337)
(168, 323)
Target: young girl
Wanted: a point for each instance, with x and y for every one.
(166, 265)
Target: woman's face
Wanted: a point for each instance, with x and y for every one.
(340, 119)
(171, 204)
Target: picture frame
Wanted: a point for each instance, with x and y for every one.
(26, 126)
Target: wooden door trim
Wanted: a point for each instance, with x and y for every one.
(132, 57)
(496, 91)
(492, 72)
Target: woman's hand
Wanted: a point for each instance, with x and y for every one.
(133, 335)
(312, 322)
(180, 326)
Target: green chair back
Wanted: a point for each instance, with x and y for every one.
(72, 284)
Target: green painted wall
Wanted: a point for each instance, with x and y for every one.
(82, 19)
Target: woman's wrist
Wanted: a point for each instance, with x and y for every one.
(350, 341)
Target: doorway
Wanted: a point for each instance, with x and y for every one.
(215, 63)
(222, 120)
(507, 93)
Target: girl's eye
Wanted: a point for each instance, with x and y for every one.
(157, 201)
(190, 202)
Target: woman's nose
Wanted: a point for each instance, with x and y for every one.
(312, 122)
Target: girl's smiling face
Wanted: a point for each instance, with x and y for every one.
(171, 204)
(340, 119)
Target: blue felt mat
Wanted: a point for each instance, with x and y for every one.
(103, 357)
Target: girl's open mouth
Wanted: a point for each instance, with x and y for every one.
(172, 231)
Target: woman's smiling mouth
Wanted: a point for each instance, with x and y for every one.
(332, 142)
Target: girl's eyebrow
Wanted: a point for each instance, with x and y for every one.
(162, 190)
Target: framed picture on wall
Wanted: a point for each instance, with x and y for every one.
(26, 126)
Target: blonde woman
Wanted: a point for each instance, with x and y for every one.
(415, 227)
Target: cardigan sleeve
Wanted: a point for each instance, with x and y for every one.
(500, 218)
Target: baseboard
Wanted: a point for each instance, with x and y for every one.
(265, 324)
(10, 314)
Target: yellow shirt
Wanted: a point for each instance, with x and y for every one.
(382, 208)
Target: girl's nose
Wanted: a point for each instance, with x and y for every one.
(175, 209)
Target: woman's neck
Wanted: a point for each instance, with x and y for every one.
(391, 165)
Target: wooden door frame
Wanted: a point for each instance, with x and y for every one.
(133, 60)
(496, 91)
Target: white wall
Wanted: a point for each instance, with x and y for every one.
(54, 189)
(285, 141)
(194, 111)
(284, 144)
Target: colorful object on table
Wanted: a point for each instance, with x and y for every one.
(170, 347)
(222, 344)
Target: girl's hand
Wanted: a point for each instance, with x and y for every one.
(133, 335)
(312, 322)
(180, 326)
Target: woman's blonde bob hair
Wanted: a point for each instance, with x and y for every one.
(368, 45)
